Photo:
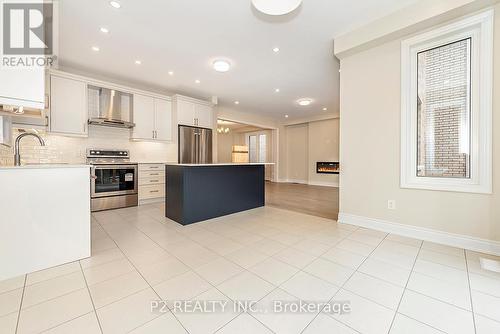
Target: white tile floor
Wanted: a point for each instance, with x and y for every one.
(394, 284)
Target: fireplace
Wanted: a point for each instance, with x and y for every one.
(323, 167)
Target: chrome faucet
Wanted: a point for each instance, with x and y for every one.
(17, 156)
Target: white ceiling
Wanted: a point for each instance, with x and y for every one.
(185, 36)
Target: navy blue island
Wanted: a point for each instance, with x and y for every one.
(197, 192)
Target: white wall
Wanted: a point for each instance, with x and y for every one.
(370, 152)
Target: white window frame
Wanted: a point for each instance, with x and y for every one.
(480, 28)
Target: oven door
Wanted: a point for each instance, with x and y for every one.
(113, 180)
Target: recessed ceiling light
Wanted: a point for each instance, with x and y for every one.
(170, 72)
(138, 62)
(95, 48)
(197, 81)
(325, 109)
(304, 102)
(236, 102)
(115, 4)
(275, 7)
(277, 90)
(286, 116)
(276, 50)
(221, 65)
(104, 30)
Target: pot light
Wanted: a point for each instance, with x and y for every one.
(104, 30)
(95, 48)
(277, 90)
(115, 4)
(138, 62)
(276, 50)
(236, 102)
(325, 109)
(286, 116)
(221, 65)
(197, 81)
(170, 73)
(276, 7)
(304, 102)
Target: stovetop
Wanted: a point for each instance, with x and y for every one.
(97, 156)
(111, 162)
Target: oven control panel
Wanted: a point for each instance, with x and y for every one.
(98, 153)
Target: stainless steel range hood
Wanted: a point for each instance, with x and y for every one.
(112, 108)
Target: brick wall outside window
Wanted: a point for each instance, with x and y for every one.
(443, 111)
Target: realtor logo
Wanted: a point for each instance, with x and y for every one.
(27, 28)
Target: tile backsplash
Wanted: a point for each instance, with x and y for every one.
(63, 149)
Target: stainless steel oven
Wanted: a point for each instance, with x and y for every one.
(113, 181)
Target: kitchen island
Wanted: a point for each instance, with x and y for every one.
(197, 192)
(45, 217)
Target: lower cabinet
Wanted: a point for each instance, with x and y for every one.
(151, 183)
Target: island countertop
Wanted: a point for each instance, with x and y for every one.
(222, 164)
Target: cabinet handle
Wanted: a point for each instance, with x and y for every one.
(153, 134)
(153, 181)
(154, 167)
(154, 174)
(154, 191)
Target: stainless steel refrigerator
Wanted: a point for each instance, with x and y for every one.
(195, 145)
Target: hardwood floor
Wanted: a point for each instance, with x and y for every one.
(313, 200)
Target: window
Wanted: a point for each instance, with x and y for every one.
(262, 148)
(257, 148)
(443, 111)
(252, 145)
(446, 107)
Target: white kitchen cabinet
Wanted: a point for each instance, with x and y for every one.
(144, 117)
(151, 183)
(163, 119)
(23, 87)
(204, 116)
(152, 118)
(194, 112)
(68, 106)
(185, 112)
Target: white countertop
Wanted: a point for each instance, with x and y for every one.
(45, 166)
(222, 164)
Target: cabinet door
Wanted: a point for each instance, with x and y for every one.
(204, 115)
(163, 119)
(68, 106)
(144, 117)
(23, 87)
(185, 112)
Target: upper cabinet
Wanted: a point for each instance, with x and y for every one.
(194, 112)
(163, 119)
(68, 106)
(152, 117)
(23, 87)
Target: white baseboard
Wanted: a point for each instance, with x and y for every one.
(324, 184)
(445, 238)
(311, 183)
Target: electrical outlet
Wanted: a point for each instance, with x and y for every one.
(391, 204)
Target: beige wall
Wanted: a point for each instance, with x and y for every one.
(302, 145)
(370, 152)
(323, 146)
(297, 153)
